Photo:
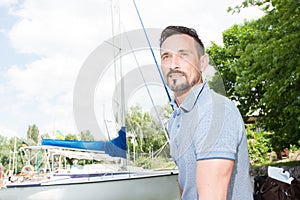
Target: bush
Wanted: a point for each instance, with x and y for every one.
(258, 145)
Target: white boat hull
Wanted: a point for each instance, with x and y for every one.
(155, 186)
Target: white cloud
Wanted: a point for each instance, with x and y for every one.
(2, 89)
(7, 132)
(44, 78)
(7, 2)
(60, 27)
(64, 33)
(45, 86)
(209, 18)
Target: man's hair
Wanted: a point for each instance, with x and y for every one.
(172, 30)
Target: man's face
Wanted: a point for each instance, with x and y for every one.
(180, 63)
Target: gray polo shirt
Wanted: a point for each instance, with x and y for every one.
(209, 126)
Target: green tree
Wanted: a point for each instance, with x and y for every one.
(86, 136)
(33, 133)
(147, 131)
(5, 151)
(8, 151)
(45, 136)
(260, 63)
(70, 136)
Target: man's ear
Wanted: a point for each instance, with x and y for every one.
(204, 61)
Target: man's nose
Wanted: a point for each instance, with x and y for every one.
(175, 62)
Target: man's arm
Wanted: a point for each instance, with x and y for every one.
(212, 178)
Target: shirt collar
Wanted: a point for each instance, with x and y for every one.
(191, 99)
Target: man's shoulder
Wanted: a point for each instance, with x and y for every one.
(212, 97)
(213, 102)
(217, 98)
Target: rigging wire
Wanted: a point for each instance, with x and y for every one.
(151, 49)
(147, 88)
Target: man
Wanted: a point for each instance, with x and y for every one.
(207, 133)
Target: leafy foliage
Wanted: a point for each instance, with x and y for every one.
(33, 134)
(258, 145)
(70, 136)
(146, 133)
(7, 153)
(260, 65)
(86, 136)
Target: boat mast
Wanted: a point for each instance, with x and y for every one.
(118, 71)
(116, 29)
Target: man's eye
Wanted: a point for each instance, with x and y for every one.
(165, 57)
(183, 54)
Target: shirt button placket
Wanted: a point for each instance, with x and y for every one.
(178, 119)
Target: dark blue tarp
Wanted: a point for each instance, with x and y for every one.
(116, 147)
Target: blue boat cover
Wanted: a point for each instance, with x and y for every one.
(116, 147)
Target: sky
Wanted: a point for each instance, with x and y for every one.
(44, 44)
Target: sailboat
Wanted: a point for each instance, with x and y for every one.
(111, 185)
(108, 185)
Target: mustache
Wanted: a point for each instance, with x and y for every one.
(175, 72)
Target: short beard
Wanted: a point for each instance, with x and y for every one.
(183, 86)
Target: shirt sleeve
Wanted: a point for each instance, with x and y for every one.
(219, 132)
